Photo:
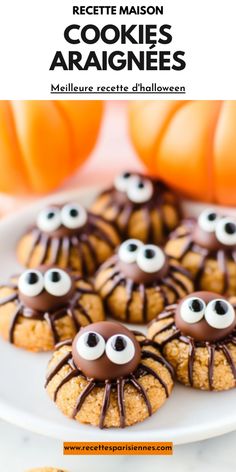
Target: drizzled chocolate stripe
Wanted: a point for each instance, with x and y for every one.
(125, 216)
(13, 323)
(61, 363)
(191, 355)
(67, 378)
(65, 249)
(82, 397)
(151, 355)
(120, 399)
(36, 236)
(141, 390)
(129, 291)
(222, 263)
(105, 404)
(211, 354)
(9, 298)
(44, 243)
(229, 359)
(142, 291)
(48, 318)
(86, 241)
(55, 248)
(84, 313)
(144, 369)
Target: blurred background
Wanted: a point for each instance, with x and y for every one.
(112, 153)
(48, 146)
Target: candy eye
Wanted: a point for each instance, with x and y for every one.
(150, 258)
(140, 190)
(219, 314)
(226, 231)
(31, 283)
(208, 219)
(192, 310)
(120, 349)
(90, 346)
(57, 282)
(128, 250)
(73, 216)
(122, 181)
(49, 219)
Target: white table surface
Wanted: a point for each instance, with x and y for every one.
(21, 450)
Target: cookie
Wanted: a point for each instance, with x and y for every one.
(108, 376)
(140, 207)
(207, 248)
(139, 281)
(70, 237)
(198, 337)
(46, 305)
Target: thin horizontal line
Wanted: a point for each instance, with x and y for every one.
(117, 93)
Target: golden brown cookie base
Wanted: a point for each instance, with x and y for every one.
(83, 259)
(36, 335)
(212, 278)
(117, 302)
(150, 226)
(177, 353)
(90, 412)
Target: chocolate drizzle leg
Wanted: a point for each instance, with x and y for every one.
(115, 385)
(82, 397)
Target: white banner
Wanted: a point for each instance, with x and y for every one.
(177, 49)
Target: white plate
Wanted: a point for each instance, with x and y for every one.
(189, 415)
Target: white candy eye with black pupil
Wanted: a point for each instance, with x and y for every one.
(226, 231)
(128, 250)
(208, 220)
(192, 310)
(120, 349)
(139, 190)
(49, 219)
(31, 283)
(90, 346)
(219, 314)
(121, 182)
(150, 258)
(57, 282)
(73, 216)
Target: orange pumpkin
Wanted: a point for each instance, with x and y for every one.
(191, 145)
(43, 142)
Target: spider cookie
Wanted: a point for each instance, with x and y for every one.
(207, 248)
(139, 281)
(140, 207)
(43, 306)
(108, 376)
(198, 337)
(70, 237)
